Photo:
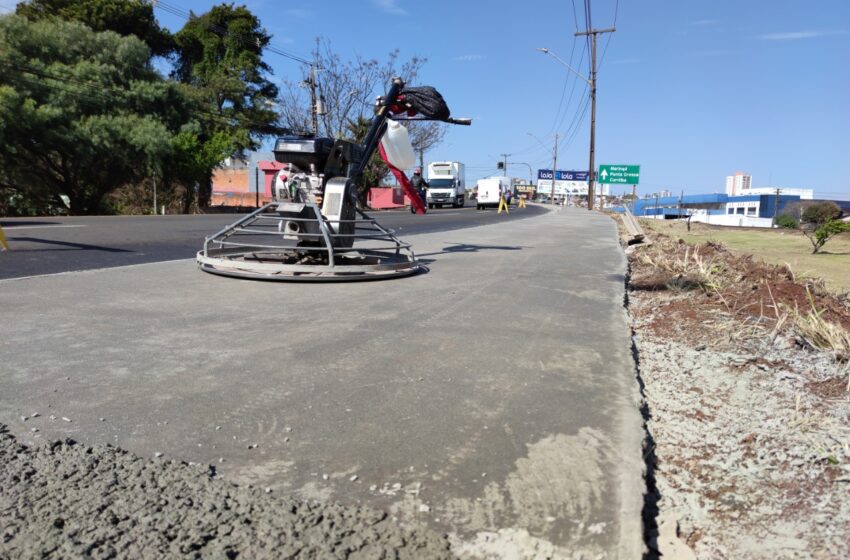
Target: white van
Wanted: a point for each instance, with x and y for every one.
(490, 191)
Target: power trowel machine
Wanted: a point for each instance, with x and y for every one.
(313, 230)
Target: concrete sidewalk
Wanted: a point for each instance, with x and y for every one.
(493, 398)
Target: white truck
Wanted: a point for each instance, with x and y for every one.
(491, 190)
(446, 184)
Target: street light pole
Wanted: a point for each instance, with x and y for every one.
(554, 170)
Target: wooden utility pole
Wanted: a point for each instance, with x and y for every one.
(591, 190)
(314, 113)
(504, 164)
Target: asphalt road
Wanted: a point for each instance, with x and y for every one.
(64, 244)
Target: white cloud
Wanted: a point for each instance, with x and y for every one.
(797, 35)
(470, 57)
(391, 7)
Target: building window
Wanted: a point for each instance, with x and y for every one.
(751, 211)
(740, 210)
(730, 210)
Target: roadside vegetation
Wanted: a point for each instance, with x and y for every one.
(745, 368)
(100, 105)
(779, 246)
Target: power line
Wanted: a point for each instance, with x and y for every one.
(564, 90)
(572, 92)
(614, 24)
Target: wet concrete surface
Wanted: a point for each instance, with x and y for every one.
(493, 399)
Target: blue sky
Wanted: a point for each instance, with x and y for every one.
(690, 90)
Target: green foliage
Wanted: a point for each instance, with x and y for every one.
(826, 231)
(125, 17)
(787, 221)
(81, 112)
(821, 212)
(220, 62)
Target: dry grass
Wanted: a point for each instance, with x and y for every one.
(775, 246)
(820, 333)
(690, 269)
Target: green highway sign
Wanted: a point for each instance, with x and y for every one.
(619, 174)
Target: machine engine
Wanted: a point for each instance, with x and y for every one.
(312, 167)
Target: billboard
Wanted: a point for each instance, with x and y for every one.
(567, 183)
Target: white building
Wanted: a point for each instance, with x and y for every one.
(804, 194)
(738, 184)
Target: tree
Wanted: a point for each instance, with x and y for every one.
(219, 56)
(787, 221)
(81, 112)
(819, 213)
(424, 136)
(347, 88)
(818, 236)
(125, 17)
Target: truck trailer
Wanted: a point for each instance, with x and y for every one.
(446, 184)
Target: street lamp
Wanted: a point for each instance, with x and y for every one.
(544, 50)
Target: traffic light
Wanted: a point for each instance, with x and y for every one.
(500, 165)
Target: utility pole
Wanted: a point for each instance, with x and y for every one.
(314, 113)
(591, 191)
(154, 192)
(554, 171)
(775, 208)
(634, 196)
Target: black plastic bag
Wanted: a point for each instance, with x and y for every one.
(426, 101)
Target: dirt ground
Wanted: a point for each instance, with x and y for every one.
(745, 376)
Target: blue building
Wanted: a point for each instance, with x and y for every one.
(750, 206)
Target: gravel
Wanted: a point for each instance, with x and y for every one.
(70, 500)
